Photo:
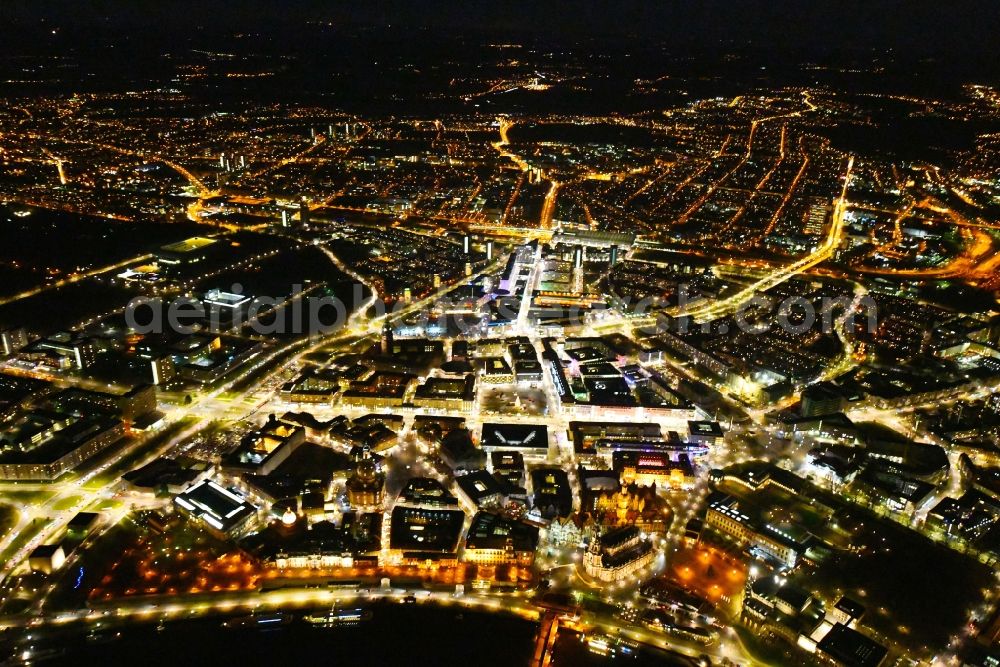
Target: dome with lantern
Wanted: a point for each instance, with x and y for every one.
(366, 486)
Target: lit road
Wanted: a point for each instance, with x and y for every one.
(126, 611)
(253, 387)
(716, 309)
(73, 278)
(549, 205)
(754, 125)
(52, 511)
(200, 188)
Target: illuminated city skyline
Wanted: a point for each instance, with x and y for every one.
(666, 334)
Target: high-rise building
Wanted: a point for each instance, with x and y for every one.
(466, 244)
(386, 343)
(821, 399)
(578, 269)
(226, 310)
(489, 250)
(303, 211)
(12, 340)
(162, 369)
(77, 349)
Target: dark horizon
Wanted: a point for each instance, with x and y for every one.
(961, 29)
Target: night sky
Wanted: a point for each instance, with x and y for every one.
(959, 30)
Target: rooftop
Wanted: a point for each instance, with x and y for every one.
(492, 531)
(189, 245)
(851, 648)
(215, 505)
(515, 436)
(425, 529)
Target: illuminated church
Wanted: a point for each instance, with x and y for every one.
(366, 487)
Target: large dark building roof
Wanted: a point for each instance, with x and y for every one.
(492, 531)
(515, 436)
(851, 648)
(425, 529)
(217, 506)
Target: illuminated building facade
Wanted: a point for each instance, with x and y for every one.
(617, 554)
(366, 487)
